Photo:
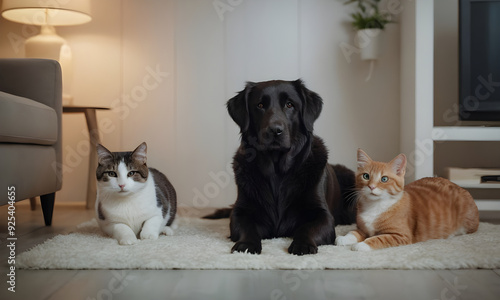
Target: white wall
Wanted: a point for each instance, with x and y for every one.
(208, 56)
(262, 40)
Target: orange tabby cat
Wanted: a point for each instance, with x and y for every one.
(391, 214)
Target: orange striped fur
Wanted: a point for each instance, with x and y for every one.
(392, 214)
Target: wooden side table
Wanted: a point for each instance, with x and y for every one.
(91, 118)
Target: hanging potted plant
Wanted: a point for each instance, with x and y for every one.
(369, 22)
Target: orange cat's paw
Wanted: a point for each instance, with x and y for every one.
(361, 247)
(346, 240)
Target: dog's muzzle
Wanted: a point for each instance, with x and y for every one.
(275, 137)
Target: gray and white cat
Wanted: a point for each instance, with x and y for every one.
(132, 199)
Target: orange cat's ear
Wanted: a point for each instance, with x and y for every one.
(363, 159)
(398, 165)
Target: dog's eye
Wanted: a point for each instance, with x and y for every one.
(289, 104)
(260, 105)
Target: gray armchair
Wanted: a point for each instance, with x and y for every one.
(30, 130)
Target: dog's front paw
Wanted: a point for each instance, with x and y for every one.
(361, 247)
(302, 248)
(249, 247)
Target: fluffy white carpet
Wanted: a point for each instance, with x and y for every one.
(203, 244)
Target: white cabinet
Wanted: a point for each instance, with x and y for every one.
(430, 148)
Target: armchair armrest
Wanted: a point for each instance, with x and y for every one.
(36, 79)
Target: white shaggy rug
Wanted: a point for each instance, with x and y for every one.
(203, 244)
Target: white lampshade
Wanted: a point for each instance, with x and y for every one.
(53, 13)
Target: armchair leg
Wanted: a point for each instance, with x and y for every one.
(48, 207)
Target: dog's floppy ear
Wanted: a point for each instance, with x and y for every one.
(238, 107)
(311, 104)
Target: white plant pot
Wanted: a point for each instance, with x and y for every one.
(369, 43)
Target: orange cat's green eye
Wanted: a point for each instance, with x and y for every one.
(384, 179)
(366, 176)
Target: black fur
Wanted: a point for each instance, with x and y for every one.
(286, 188)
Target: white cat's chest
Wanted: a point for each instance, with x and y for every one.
(133, 209)
(373, 209)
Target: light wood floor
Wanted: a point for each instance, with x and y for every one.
(222, 284)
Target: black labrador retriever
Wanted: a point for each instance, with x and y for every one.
(286, 188)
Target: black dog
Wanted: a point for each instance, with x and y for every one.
(286, 188)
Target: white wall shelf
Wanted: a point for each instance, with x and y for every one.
(469, 133)
(474, 185)
(487, 205)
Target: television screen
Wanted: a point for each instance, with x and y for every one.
(479, 60)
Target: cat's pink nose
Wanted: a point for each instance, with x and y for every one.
(372, 187)
(121, 186)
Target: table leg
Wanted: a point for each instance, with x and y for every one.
(90, 116)
(33, 203)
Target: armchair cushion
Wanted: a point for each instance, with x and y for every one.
(24, 121)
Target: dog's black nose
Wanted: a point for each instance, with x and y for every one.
(276, 129)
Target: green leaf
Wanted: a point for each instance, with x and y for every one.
(369, 15)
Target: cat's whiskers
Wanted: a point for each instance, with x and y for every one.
(352, 198)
